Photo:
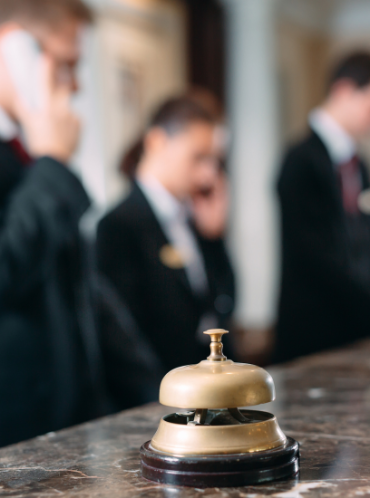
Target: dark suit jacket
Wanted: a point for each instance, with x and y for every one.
(324, 303)
(160, 298)
(45, 380)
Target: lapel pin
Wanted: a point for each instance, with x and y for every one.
(171, 257)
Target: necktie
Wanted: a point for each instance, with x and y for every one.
(351, 185)
(20, 152)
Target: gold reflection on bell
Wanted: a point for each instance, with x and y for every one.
(211, 393)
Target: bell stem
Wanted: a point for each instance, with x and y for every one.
(216, 345)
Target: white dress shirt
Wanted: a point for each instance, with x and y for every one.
(173, 217)
(339, 143)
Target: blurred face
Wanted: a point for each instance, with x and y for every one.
(351, 107)
(188, 162)
(63, 45)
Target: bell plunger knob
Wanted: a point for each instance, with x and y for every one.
(216, 344)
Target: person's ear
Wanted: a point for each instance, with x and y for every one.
(343, 88)
(156, 140)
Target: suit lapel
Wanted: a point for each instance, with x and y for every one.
(158, 237)
(325, 170)
(364, 176)
(11, 171)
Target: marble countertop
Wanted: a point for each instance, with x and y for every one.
(323, 401)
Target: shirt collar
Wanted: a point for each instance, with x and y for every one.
(341, 146)
(163, 203)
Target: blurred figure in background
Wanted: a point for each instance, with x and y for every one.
(325, 296)
(46, 357)
(162, 248)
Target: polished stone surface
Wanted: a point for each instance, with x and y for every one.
(323, 401)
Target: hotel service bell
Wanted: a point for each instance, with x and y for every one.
(212, 442)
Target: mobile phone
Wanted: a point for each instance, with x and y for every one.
(22, 56)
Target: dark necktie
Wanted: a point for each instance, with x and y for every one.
(351, 185)
(20, 152)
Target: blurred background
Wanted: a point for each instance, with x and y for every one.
(266, 60)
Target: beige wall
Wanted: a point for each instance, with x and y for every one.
(303, 57)
(143, 62)
(137, 59)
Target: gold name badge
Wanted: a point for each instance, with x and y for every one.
(171, 257)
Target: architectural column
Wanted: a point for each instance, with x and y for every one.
(253, 110)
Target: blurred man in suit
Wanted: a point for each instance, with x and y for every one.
(47, 359)
(325, 296)
(162, 248)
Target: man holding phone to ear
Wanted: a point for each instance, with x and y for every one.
(47, 367)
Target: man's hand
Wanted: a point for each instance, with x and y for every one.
(53, 130)
(211, 210)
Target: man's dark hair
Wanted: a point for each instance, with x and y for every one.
(173, 117)
(51, 12)
(176, 114)
(355, 68)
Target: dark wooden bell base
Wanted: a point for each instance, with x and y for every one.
(211, 471)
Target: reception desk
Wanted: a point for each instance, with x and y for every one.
(323, 402)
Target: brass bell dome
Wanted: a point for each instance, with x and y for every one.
(216, 382)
